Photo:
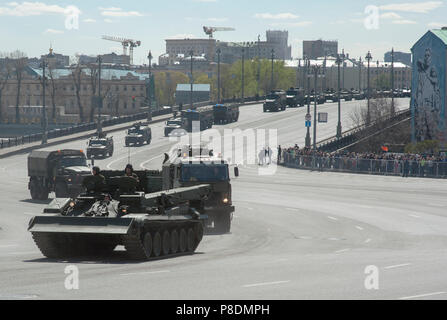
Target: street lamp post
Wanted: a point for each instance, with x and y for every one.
(392, 83)
(99, 95)
(148, 89)
(273, 57)
(243, 74)
(44, 108)
(192, 79)
(308, 100)
(316, 72)
(258, 74)
(218, 75)
(368, 115)
(343, 57)
(339, 128)
(360, 75)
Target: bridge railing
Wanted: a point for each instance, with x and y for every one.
(410, 168)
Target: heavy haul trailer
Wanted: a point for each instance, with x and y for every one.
(203, 117)
(147, 225)
(226, 113)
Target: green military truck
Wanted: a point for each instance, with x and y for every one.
(138, 135)
(203, 116)
(295, 97)
(275, 101)
(100, 146)
(60, 171)
(226, 113)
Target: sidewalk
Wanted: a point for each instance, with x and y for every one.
(26, 148)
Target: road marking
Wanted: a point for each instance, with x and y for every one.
(145, 162)
(332, 218)
(141, 273)
(342, 251)
(109, 166)
(265, 284)
(292, 209)
(368, 240)
(423, 295)
(359, 228)
(398, 266)
(414, 216)
(251, 209)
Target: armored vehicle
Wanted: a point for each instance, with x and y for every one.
(100, 146)
(202, 117)
(174, 127)
(295, 97)
(148, 225)
(359, 95)
(60, 171)
(138, 135)
(195, 166)
(331, 94)
(226, 113)
(346, 95)
(275, 101)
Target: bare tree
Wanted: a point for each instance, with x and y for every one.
(93, 72)
(76, 75)
(54, 87)
(19, 63)
(5, 76)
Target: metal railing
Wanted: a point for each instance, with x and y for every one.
(407, 168)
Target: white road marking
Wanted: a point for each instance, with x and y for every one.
(423, 295)
(359, 228)
(332, 218)
(141, 273)
(342, 251)
(398, 266)
(146, 162)
(251, 209)
(292, 209)
(265, 284)
(414, 216)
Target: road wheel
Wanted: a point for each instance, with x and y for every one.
(147, 244)
(174, 242)
(183, 241)
(166, 247)
(191, 241)
(156, 244)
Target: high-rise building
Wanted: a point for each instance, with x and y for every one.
(403, 57)
(315, 49)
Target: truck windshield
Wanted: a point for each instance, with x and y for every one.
(67, 162)
(204, 173)
(96, 142)
(292, 93)
(134, 131)
(174, 123)
(272, 97)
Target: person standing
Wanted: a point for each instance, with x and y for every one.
(279, 154)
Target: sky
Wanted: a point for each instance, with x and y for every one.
(72, 27)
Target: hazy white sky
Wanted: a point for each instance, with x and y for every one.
(31, 26)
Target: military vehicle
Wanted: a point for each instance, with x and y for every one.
(226, 113)
(275, 101)
(138, 135)
(295, 97)
(194, 166)
(174, 127)
(100, 146)
(203, 116)
(60, 171)
(331, 94)
(148, 225)
(346, 95)
(359, 95)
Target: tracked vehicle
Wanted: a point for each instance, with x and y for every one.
(122, 212)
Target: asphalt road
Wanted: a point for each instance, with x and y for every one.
(295, 234)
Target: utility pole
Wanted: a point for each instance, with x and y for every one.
(339, 128)
(368, 115)
(218, 75)
(343, 56)
(273, 57)
(393, 110)
(308, 100)
(44, 108)
(243, 75)
(360, 75)
(258, 75)
(149, 87)
(316, 72)
(99, 96)
(192, 80)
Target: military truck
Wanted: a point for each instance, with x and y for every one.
(195, 166)
(174, 127)
(148, 225)
(226, 113)
(275, 101)
(138, 135)
(295, 97)
(60, 171)
(202, 116)
(100, 146)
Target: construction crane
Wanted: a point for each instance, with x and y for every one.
(126, 43)
(210, 32)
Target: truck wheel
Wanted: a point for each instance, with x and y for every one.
(147, 244)
(191, 241)
(174, 241)
(43, 193)
(61, 190)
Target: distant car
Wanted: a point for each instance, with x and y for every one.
(100, 146)
(138, 135)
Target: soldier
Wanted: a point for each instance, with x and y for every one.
(97, 182)
(129, 172)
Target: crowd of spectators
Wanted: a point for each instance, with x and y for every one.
(414, 165)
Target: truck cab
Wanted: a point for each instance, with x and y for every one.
(138, 135)
(275, 101)
(100, 146)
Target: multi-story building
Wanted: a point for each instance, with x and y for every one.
(111, 58)
(315, 49)
(403, 57)
(176, 47)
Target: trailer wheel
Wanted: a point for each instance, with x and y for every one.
(34, 190)
(156, 244)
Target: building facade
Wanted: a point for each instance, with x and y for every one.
(200, 93)
(314, 49)
(403, 57)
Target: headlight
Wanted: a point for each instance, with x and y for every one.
(225, 200)
(72, 204)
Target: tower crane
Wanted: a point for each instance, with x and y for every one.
(126, 43)
(210, 32)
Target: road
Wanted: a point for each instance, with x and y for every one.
(295, 234)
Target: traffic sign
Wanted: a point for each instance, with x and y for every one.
(308, 117)
(323, 117)
(308, 124)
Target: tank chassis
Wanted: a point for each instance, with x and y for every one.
(148, 225)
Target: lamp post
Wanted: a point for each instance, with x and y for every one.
(316, 71)
(392, 83)
(218, 74)
(308, 75)
(360, 75)
(258, 74)
(191, 53)
(339, 128)
(368, 115)
(148, 87)
(273, 57)
(343, 57)
(243, 75)
(44, 108)
(99, 95)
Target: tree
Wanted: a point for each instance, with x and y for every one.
(93, 73)
(76, 75)
(5, 75)
(19, 63)
(54, 87)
